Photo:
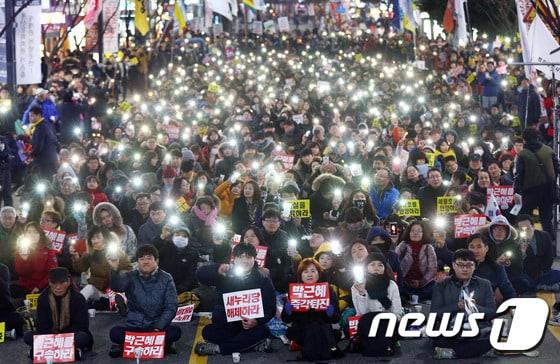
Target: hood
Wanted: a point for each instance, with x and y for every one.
(117, 218)
(499, 220)
(326, 178)
(323, 248)
(378, 231)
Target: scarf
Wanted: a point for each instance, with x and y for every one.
(62, 322)
(34, 125)
(376, 287)
(209, 219)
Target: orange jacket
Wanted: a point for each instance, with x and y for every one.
(223, 192)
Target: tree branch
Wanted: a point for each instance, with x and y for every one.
(16, 13)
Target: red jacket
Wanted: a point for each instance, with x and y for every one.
(97, 197)
(34, 272)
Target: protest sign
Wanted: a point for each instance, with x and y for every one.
(286, 159)
(269, 26)
(58, 347)
(56, 238)
(409, 207)
(283, 24)
(431, 159)
(502, 194)
(32, 297)
(446, 205)
(151, 343)
(240, 304)
(300, 208)
(258, 27)
(353, 326)
(305, 296)
(184, 313)
(466, 225)
(2, 332)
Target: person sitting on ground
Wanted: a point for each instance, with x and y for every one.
(8, 314)
(61, 309)
(448, 298)
(375, 292)
(222, 337)
(152, 299)
(95, 261)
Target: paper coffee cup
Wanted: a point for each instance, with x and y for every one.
(236, 357)
(414, 299)
(91, 312)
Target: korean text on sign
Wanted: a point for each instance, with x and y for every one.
(32, 297)
(503, 194)
(184, 313)
(56, 238)
(306, 296)
(151, 343)
(353, 326)
(2, 332)
(467, 225)
(446, 205)
(243, 304)
(300, 208)
(409, 207)
(59, 347)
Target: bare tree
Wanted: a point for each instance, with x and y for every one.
(16, 13)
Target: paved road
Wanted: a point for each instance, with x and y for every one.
(413, 351)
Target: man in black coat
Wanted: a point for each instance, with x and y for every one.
(177, 257)
(44, 143)
(537, 250)
(224, 337)
(428, 195)
(70, 313)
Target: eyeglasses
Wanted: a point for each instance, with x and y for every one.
(272, 221)
(465, 265)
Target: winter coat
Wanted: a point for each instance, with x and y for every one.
(428, 200)
(208, 275)
(533, 111)
(300, 319)
(227, 198)
(79, 318)
(365, 304)
(384, 200)
(34, 272)
(181, 263)
(491, 85)
(127, 238)
(148, 232)
(509, 244)
(240, 214)
(44, 143)
(427, 263)
(539, 262)
(100, 271)
(496, 275)
(152, 301)
(278, 261)
(201, 235)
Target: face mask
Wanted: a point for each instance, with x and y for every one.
(360, 204)
(180, 241)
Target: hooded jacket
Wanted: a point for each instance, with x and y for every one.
(127, 238)
(510, 244)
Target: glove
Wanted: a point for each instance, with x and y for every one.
(330, 311)
(288, 308)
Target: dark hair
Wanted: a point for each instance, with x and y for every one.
(271, 213)
(205, 200)
(176, 153)
(37, 110)
(256, 230)
(525, 217)
(256, 190)
(157, 206)
(145, 250)
(352, 215)
(244, 248)
(449, 158)
(432, 170)
(142, 195)
(530, 135)
(426, 232)
(306, 263)
(98, 230)
(43, 240)
(464, 254)
(477, 236)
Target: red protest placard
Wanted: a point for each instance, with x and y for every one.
(286, 159)
(466, 225)
(58, 347)
(56, 238)
(503, 194)
(150, 344)
(353, 326)
(305, 296)
(79, 244)
(242, 304)
(184, 313)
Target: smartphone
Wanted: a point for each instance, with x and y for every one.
(325, 159)
(393, 228)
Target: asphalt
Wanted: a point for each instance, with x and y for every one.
(412, 351)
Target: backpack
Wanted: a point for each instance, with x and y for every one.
(318, 341)
(378, 345)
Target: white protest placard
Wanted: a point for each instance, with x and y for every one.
(111, 15)
(258, 27)
(217, 29)
(269, 26)
(184, 313)
(298, 118)
(283, 24)
(28, 41)
(241, 304)
(58, 347)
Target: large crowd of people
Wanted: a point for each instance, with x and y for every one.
(165, 167)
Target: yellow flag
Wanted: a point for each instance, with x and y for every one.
(141, 17)
(180, 14)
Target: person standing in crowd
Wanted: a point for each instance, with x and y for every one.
(221, 336)
(528, 103)
(61, 309)
(536, 169)
(152, 299)
(44, 143)
(454, 295)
